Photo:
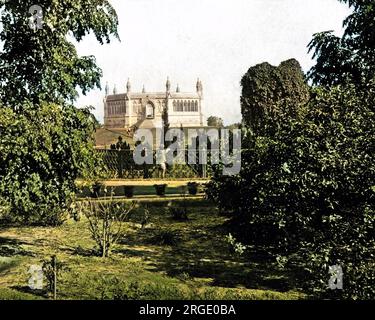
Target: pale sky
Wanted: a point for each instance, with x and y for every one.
(215, 40)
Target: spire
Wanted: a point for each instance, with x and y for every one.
(128, 86)
(168, 85)
(144, 89)
(199, 87)
(106, 89)
(114, 90)
(178, 88)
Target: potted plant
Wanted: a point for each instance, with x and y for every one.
(129, 191)
(160, 189)
(95, 189)
(192, 188)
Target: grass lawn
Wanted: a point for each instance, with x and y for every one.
(168, 259)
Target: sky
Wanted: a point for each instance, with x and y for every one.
(215, 40)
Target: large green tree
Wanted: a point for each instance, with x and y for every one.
(266, 88)
(306, 190)
(43, 64)
(214, 121)
(350, 58)
(46, 142)
(42, 152)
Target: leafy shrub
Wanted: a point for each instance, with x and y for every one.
(160, 189)
(165, 238)
(306, 189)
(129, 191)
(38, 179)
(106, 222)
(234, 246)
(52, 269)
(192, 188)
(178, 213)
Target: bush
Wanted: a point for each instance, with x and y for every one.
(106, 222)
(160, 189)
(192, 188)
(40, 160)
(96, 188)
(178, 213)
(306, 189)
(129, 191)
(165, 238)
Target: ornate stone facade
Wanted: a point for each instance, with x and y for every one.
(145, 109)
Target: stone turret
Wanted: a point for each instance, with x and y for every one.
(199, 87)
(168, 85)
(128, 86)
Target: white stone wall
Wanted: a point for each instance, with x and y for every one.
(136, 110)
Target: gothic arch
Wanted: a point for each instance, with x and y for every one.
(150, 110)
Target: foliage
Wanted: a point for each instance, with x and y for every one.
(4, 210)
(166, 237)
(350, 58)
(13, 294)
(193, 188)
(232, 126)
(306, 189)
(160, 189)
(52, 268)
(131, 261)
(106, 222)
(179, 213)
(267, 90)
(110, 287)
(120, 145)
(45, 142)
(234, 245)
(213, 121)
(43, 65)
(40, 160)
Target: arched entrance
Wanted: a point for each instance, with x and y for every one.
(150, 111)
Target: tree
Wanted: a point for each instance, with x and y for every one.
(107, 222)
(350, 58)
(213, 121)
(232, 126)
(43, 65)
(46, 143)
(40, 160)
(266, 89)
(306, 190)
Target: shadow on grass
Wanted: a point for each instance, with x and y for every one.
(11, 247)
(200, 251)
(82, 252)
(28, 290)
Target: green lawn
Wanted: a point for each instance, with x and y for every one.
(167, 260)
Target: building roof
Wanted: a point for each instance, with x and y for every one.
(157, 95)
(106, 137)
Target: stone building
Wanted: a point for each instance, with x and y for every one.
(145, 109)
